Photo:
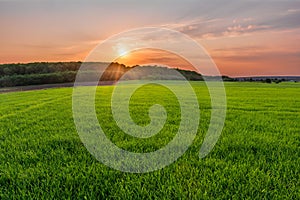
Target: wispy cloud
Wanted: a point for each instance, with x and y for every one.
(275, 17)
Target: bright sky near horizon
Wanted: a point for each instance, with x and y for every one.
(247, 37)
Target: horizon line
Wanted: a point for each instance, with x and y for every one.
(231, 76)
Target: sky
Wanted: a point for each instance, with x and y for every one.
(243, 37)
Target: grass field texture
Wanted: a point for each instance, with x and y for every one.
(257, 155)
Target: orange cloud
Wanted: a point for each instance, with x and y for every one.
(154, 57)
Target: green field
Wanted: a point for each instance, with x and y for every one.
(257, 155)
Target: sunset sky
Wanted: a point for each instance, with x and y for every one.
(244, 38)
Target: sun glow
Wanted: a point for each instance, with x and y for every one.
(122, 52)
(153, 57)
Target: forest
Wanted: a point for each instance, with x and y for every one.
(65, 72)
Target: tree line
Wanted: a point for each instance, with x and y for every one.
(37, 73)
(20, 74)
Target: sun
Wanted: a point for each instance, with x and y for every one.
(122, 52)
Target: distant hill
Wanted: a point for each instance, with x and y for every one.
(272, 78)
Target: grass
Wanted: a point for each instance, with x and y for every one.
(257, 156)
